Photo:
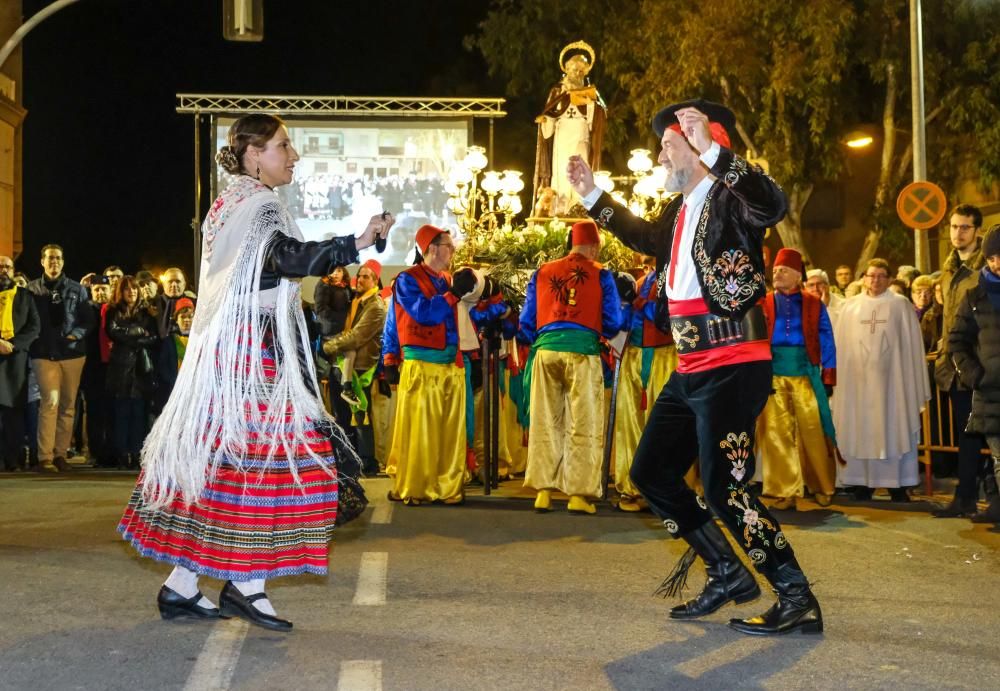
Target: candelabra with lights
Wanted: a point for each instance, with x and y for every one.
(482, 200)
(648, 194)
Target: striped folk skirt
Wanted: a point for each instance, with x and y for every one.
(246, 525)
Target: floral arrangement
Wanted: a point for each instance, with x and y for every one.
(511, 255)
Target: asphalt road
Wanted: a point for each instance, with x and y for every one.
(491, 595)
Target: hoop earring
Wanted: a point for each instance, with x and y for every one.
(258, 172)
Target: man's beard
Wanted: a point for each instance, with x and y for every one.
(6, 282)
(677, 179)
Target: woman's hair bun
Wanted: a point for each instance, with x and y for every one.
(228, 160)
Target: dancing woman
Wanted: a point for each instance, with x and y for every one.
(239, 476)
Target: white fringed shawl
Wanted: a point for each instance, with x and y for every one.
(216, 402)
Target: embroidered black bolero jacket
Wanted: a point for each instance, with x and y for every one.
(727, 250)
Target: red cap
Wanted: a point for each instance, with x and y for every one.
(374, 267)
(183, 303)
(426, 235)
(719, 133)
(585, 233)
(790, 258)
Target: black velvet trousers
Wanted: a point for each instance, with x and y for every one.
(710, 416)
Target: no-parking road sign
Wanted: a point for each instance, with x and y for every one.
(921, 205)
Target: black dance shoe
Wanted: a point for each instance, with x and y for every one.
(235, 604)
(728, 579)
(172, 605)
(796, 609)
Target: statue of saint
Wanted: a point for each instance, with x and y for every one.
(572, 123)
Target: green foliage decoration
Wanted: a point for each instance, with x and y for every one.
(511, 256)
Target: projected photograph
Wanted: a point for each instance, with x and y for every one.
(351, 170)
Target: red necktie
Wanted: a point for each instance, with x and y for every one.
(678, 229)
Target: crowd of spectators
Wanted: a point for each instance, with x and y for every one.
(86, 365)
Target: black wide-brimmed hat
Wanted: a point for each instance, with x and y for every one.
(716, 112)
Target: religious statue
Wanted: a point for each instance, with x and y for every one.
(572, 123)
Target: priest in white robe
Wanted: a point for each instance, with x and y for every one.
(883, 387)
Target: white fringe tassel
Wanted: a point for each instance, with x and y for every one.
(215, 404)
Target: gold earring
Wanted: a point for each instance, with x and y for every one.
(258, 172)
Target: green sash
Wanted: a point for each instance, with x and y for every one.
(582, 341)
(793, 361)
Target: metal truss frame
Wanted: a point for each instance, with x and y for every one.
(214, 105)
(382, 106)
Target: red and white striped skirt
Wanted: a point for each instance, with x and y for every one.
(246, 525)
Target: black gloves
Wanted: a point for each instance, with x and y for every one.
(829, 390)
(463, 283)
(626, 286)
(391, 373)
(491, 288)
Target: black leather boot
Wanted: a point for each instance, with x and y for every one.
(795, 610)
(728, 579)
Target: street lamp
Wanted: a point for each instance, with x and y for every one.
(648, 185)
(481, 206)
(858, 139)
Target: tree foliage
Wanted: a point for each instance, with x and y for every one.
(797, 75)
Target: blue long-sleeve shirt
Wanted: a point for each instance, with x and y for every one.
(611, 312)
(390, 337)
(648, 311)
(788, 327)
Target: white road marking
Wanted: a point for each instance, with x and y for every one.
(360, 675)
(726, 655)
(216, 664)
(382, 514)
(372, 579)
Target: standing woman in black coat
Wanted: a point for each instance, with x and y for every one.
(974, 345)
(133, 332)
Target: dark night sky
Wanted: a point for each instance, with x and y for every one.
(107, 161)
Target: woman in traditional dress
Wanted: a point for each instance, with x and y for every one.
(239, 476)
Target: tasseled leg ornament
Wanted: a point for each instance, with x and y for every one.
(674, 583)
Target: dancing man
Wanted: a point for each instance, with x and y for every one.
(710, 270)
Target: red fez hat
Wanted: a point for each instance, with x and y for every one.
(717, 131)
(426, 235)
(790, 258)
(183, 304)
(374, 267)
(585, 233)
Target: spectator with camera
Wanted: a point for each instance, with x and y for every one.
(99, 418)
